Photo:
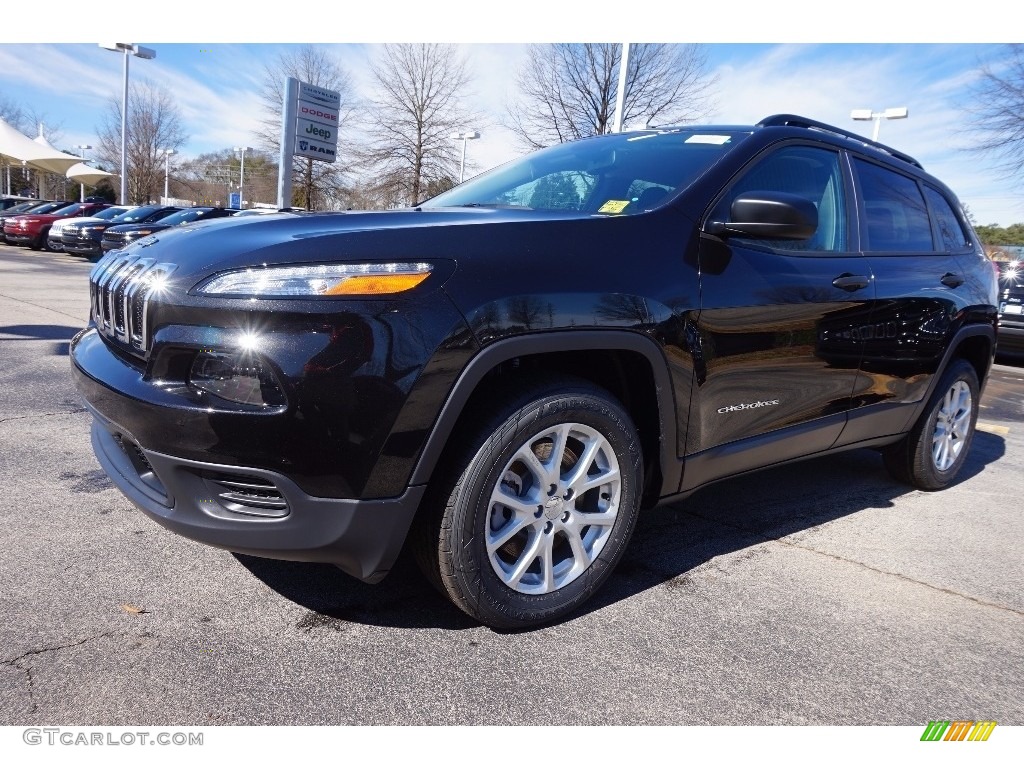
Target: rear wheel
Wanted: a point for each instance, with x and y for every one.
(931, 455)
(538, 508)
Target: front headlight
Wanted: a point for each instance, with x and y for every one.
(137, 233)
(320, 280)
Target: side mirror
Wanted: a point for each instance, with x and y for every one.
(769, 215)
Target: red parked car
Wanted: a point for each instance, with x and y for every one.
(31, 229)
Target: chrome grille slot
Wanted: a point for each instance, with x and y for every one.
(249, 495)
(120, 289)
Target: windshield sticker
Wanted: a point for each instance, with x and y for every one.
(613, 206)
(704, 138)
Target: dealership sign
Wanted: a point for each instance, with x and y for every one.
(316, 122)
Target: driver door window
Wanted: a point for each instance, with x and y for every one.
(809, 172)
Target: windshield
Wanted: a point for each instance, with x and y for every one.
(181, 217)
(21, 207)
(618, 174)
(142, 213)
(109, 213)
(47, 207)
(69, 210)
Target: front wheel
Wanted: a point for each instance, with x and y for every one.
(539, 506)
(931, 455)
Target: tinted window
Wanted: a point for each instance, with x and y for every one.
(894, 211)
(810, 172)
(951, 232)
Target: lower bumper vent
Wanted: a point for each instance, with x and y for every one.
(249, 495)
(140, 463)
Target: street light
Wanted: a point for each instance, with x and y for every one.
(167, 171)
(241, 178)
(893, 113)
(128, 49)
(465, 136)
(83, 147)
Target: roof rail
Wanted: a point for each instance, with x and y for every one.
(804, 122)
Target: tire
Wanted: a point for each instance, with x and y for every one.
(516, 540)
(40, 242)
(931, 455)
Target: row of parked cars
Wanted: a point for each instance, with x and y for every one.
(1011, 306)
(93, 227)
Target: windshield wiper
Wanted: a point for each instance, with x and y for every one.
(494, 205)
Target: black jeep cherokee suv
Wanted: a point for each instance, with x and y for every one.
(507, 373)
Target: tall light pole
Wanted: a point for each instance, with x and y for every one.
(620, 96)
(893, 113)
(465, 136)
(83, 147)
(167, 171)
(241, 177)
(128, 49)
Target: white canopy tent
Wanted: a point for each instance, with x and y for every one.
(17, 149)
(83, 174)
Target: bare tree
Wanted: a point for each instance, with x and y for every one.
(154, 124)
(315, 184)
(999, 112)
(210, 178)
(568, 90)
(418, 105)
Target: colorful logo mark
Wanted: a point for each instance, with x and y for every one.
(958, 730)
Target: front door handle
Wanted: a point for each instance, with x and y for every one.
(953, 281)
(848, 282)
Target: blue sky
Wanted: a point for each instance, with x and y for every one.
(764, 64)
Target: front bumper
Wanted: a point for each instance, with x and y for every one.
(275, 483)
(20, 238)
(255, 511)
(82, 245)
(1010, 336)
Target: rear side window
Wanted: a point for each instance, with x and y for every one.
(894, 211)
(951, 232)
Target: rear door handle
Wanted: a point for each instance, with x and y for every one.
(953, 281)
(848, 282)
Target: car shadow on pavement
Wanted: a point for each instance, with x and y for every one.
(62, 334)
(668, 544)
(403, 599)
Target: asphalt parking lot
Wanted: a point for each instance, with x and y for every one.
(820, 593)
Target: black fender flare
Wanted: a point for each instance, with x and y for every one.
(964, 333)
(556, 341)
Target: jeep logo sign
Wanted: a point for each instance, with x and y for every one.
(307, 129)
